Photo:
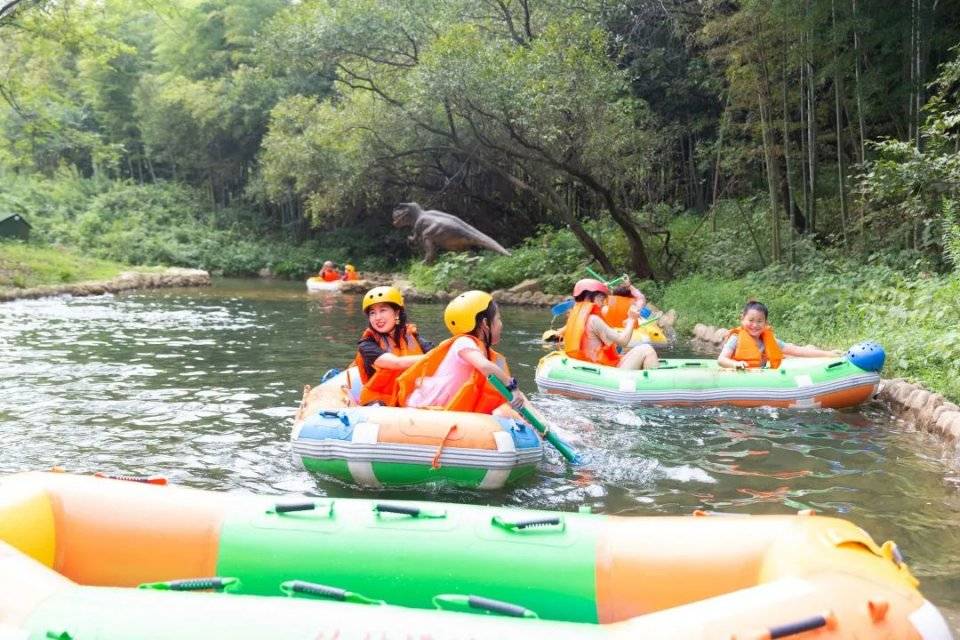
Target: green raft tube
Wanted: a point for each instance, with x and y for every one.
(798, 382)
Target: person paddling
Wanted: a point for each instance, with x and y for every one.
(587, 337)
(388, 346)
(453, 376)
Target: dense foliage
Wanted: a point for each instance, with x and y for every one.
(615, 120)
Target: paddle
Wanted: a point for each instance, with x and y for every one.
(551, 437)
(562, 307)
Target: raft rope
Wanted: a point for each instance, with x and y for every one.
(435, 464)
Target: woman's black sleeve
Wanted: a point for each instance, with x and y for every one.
(369, 352)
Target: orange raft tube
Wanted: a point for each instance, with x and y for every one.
(71, 546)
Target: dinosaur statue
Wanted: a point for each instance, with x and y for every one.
(439, 231)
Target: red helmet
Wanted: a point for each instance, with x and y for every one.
(589, 284)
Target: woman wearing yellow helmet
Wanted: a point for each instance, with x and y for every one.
(388, 346)
(454, 374)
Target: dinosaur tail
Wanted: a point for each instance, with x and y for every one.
(486, 242)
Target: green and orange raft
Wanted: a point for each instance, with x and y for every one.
(73, 549)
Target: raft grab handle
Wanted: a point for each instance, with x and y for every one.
(456, 602)
(214, 583)
(281, 508)
(586, 367)
(160, 480)
(529, 523)
(293, 588)
(404, 510)
(786, 630)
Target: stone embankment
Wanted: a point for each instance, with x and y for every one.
(928, 410)
(126, 281)
(526, 293)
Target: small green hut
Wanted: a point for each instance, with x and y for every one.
(14, 226)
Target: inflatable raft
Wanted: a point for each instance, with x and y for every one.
(319, 284)
(391, 446)
(798, 382)
(73, 548)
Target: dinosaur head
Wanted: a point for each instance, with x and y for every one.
(406, 213)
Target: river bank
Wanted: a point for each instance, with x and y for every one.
(31, 271)
(126, 281)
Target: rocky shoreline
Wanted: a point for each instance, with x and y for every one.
(526, 293)
(126, 281)
(928, 410)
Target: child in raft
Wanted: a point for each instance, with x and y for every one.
(587, 337)
(388, 346)
(753, 345)
(615, 312)
(350, 272)
(453, 376)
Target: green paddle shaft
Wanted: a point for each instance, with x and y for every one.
(550, 436)
(609, 283)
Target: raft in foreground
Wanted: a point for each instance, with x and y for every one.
(798, 382)
(396, 446)
(79, 544)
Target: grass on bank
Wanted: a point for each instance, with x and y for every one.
(24, 265)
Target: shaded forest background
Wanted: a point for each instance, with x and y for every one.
(659, 137)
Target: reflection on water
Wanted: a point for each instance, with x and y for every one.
(201, 385)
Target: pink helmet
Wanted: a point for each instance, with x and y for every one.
(589, 284)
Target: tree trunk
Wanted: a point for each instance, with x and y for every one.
(856, 69)
(788, 165)
(716, 169)
(841, 169)
(812, 146)
(804, 174)
(771, 176)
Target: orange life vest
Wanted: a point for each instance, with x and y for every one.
(575, 333)
(476, 395)
(617, 308)
(382, 385)
(747, 350)
(329, 275)
(350, 275)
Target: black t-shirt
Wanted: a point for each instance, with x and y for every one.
(369, 351)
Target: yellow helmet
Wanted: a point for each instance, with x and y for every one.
(382, 294)
(349, 267)
(460, 315)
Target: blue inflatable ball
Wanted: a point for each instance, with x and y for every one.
(645, 313)
(869, 356)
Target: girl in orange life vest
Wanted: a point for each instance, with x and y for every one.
(350, 272)
(387, 347)
(619, 302)
(587, 337)
(753, 345)
(454, 374)
(328, 272)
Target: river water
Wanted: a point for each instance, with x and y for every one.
(201, 385)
